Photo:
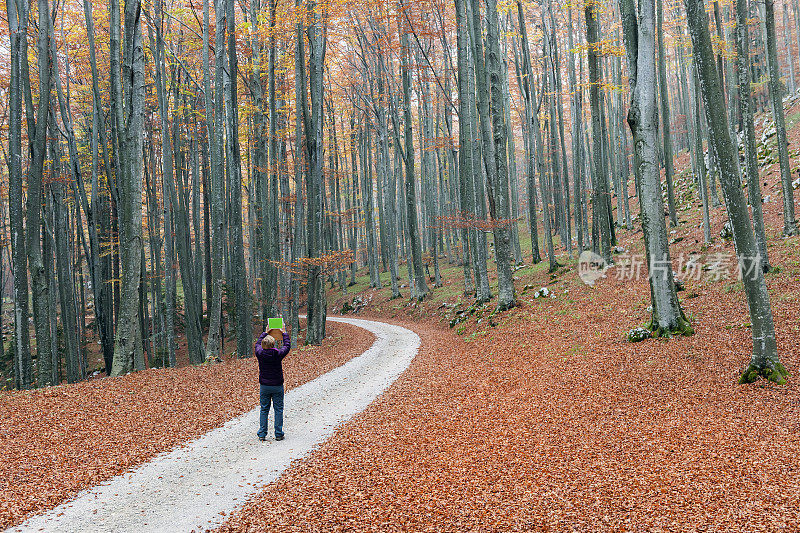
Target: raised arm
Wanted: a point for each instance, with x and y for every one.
(287, 345)
(259, 350)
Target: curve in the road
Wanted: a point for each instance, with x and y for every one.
(189, 488)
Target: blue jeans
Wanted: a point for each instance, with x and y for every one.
(274, 394)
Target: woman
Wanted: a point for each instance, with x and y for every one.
(270, 379)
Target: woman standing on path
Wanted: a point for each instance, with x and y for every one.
(270, 379)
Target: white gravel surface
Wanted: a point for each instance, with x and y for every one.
(194, 487)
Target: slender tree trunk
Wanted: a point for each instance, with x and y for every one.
(576, 110)
(214, 342)
(390, 193)
(37, 140)
(513, 182)
(128, 341)
(556, 75)
(701, 174)
(776, 97)
(299, 223)
(749, 130)
(478, 186)
(354, 181)
(667, 317)
(765, 360)
(48, 259)
(66, 293)
(190, 282)
(420, 284)
(18, 29)
(465, 135)
(535, 145)
(273, 232)
(493, 134)
(368, 194)
(669, 170)
(244, 329)
(601, 200)
(317, 309)
(787, 43)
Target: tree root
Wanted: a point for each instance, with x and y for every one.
(683, 327)
(775, 373)
(505, 306)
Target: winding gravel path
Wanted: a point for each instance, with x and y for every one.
(195, 486)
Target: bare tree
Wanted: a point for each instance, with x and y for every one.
(601, 197)
(37, 141)
(776, 98)
(129, 93)
(315, 186)
(749, 130)
(420, 283)
(765, 361)
(667, 317)
(18, 30)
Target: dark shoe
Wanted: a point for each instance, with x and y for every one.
(262, 439)
(278, 437)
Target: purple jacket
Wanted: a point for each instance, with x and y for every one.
(270, 369)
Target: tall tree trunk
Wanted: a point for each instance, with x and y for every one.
(260, 210)
(524, 80)
(244, 329)
(669, 170)
(130, 93)
(66, 293)
(787, 43)
(601, 200)
(368, 193)
(776, 97)
(17, 12)
(478, 187)
(317, 307)
(576, 111)
(167, 187)
(299, 223)
(273, 232)
(749, 130)
(420, 284)
(493, 134)
(37, 141)
(190, 282)
(765, 360)
(513, 182)
(535, 145)
(214, 342)
(620, 146)
(390, 193)
(555, 70)
(354, 204)
(465, 163)
(701, 174)
(667, 318)
(48, 258)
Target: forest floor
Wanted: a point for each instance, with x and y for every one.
(542, 417)
(546, 418)
(194, 487)
(58, 441)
